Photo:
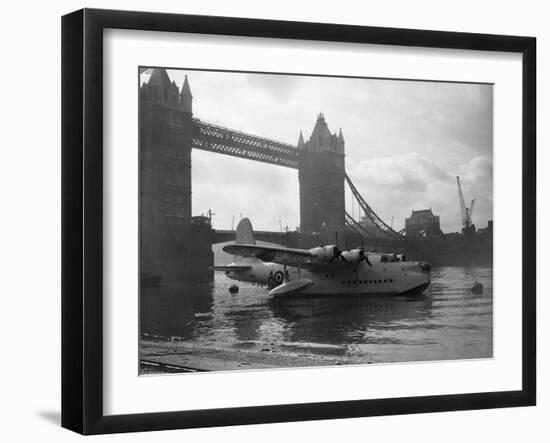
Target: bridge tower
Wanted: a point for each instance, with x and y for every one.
(321, 173)
(167, 240)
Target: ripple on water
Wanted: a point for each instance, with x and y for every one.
(446, 322)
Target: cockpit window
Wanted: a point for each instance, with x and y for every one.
(390, 258)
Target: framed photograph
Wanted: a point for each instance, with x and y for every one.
(269, 221)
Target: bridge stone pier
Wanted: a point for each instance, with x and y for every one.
(176, 245)
(173, 244)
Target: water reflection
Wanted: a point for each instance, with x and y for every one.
(172, 310)
(345, 320)
(446, 322)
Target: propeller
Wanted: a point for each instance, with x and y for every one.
(362, 256)
(336, 252)
(366, 258)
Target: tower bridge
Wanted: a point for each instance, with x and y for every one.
(171, 239)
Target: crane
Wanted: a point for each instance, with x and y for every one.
(466, 213)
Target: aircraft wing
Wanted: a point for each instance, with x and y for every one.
(231, 268)
(272, 254)
(286, 256)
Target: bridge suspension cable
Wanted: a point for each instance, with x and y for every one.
(355, 226)
(380, 226)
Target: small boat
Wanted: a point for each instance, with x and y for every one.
(233, 289)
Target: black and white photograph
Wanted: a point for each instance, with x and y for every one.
(293, 221)
(273, 222)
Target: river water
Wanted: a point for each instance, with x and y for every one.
(446, 322)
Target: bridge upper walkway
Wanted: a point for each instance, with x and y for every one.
(214, 138)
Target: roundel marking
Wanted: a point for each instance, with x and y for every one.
(278, 277)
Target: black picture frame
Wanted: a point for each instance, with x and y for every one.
(82, 218)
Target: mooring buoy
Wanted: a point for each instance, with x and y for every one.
(477, 288)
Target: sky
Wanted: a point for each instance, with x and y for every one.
(406, 141)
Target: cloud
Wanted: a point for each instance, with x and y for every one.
(233, 187)
(406, 141)
(278, 87)
(395, 185)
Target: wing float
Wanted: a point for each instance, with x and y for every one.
(291, 287)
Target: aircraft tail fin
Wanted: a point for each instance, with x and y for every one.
(244, 234)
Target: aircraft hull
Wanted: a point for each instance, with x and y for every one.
(380, 279)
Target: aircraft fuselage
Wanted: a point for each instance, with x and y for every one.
(385, 275)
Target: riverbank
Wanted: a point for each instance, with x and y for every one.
(169, 356)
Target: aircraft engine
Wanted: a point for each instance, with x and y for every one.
(328, 254)
(323, 253)
(354, 256)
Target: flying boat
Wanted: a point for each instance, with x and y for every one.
(322, 271)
